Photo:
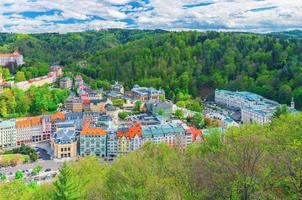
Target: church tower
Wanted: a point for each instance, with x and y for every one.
(292, 103)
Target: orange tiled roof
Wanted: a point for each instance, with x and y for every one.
(195, 133)
(15, 54)
(136, 129)
(93, 131)
(58, 115)
(34, 121)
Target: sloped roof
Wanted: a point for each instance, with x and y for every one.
(93, 131)
(131, 132)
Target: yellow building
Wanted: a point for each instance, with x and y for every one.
(74, 105)
(64, 144)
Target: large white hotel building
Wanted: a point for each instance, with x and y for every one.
(8, 58)
(254, 108)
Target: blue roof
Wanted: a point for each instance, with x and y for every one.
(162, 129)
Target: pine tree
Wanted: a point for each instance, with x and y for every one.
(64, 187)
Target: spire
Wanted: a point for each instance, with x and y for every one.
(292, 103)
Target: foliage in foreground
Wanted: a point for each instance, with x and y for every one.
(250, 162)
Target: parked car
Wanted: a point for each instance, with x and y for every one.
(47, 170)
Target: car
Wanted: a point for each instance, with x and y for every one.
(47, 170)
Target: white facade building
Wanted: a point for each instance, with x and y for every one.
(254, 108)
(6, 59)
(7, 134)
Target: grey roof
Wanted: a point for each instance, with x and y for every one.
(162, 129)
(74, 115)
(65, 124)
(105, 118)
(144, 91)
(64, 136)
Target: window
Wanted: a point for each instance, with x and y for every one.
(68, 148)
(62, 149)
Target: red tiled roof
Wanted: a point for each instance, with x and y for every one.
(195, 132)
(93, 131)
(86, 101)
(34, 121)
(15, 54)
(58, 115)
(134, 130)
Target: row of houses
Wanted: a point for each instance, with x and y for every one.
(117, 91)
(50, 78)
(79, 105)
(95, 141)
(73, 134)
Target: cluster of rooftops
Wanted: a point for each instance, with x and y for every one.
(129, 130)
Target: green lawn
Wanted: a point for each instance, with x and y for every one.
(13, 159)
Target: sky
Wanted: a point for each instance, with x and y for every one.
(36, 16)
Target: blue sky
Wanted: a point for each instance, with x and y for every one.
(32, 16)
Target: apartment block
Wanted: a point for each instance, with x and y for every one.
(93, 142)
(7, 134)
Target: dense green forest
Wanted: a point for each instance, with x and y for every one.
(179, 62)
(250, 162)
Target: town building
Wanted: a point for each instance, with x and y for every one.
(112, 144)
(64, 144)
(144, 119)
(254, 108)
(93, 142)
(118, 88)
(7, 59)
(104, 121)
(65, 83)
(171, 134)
(74, 116)
(220, 120)
(7, 134)
(49, 79)
(145, 94)
(129, 138)
(158, 108)
(74, 104)
(116, 92)
(57, 69)
(78, 80)
(97, 105)
(192, 135)
(29, 130)
(46, 127)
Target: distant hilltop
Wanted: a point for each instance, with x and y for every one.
(7, 59)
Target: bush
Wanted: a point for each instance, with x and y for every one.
(123, 115)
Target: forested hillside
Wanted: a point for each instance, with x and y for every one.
(179, 62)
(250, 162)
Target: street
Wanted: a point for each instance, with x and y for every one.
(46, 164)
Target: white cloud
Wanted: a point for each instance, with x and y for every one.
(236, 15)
